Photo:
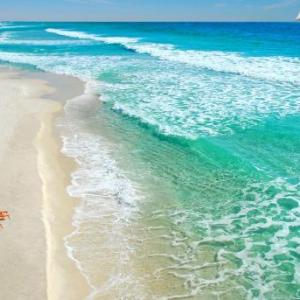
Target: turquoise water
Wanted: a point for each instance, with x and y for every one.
(189, 163)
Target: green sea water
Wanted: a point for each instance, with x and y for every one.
(223, 225)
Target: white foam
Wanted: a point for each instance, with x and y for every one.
(8, 25)
(108, 202)
(88, 36)
(269, 68)
(5, 39)
(83, 67)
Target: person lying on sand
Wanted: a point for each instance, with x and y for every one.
(3, 216)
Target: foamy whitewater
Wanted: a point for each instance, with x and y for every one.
(188, 161)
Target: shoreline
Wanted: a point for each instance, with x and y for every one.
(62, 279)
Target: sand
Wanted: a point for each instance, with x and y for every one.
(33, 179)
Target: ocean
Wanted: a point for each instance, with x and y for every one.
(188, 160)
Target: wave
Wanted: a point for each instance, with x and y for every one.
(6, 25)
(187, 103)
(5, 39)
(282, 69)
(87, 36)
(175, 101)
(268, 68)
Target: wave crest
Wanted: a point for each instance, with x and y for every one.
(88, 36)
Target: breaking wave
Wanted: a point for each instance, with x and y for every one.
(281, 69)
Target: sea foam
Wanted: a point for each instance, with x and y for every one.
(88, 36)
(108, 203)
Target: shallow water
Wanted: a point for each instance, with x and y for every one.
(189, 161)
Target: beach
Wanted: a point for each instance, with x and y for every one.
(34, 175)
(150, 160)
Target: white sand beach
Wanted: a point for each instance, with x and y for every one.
(33, 179)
